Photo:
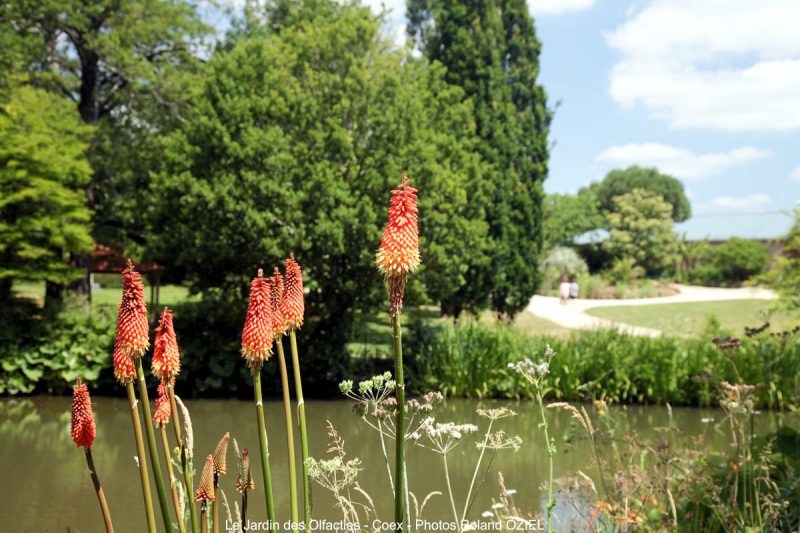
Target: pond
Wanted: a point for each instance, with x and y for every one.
(46, 487)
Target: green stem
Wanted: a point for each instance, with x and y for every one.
(155, 462)
(101, 497)
(301, 411)
(215, 507)
(187, 474)
(400, 426)
(550, 453)
(450, 492)
(143, 476)
(176, 501)
(287, 411)
(262, 439)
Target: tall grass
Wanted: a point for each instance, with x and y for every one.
(470, 359)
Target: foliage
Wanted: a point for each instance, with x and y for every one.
(622, 181)
(490, 49)
(567, 216)
(640, 228)
(43, 174)
(296, 138)
(47, 355)
(731, 263)
(624, 270)
(562, 263)
(469, 359)
(784, 277)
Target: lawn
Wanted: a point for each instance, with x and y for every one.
(169, 294)
(692, 319)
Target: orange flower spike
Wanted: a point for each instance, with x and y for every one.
(245, 481)
(83, 428)
(205, 492)
(398, 253)
(292, 304)
(276, 290)
(163, 410)
(133, 330)
(124, 368)
(166, 355)
(258, 333)
(221, 455)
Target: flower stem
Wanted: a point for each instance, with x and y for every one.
(215, 507)
(187, 475)
(468, 499)
(172, 481)
(400, 426)
(244, 510)
(101, 497)
(301, 414)
(155, 462)
(287, 411)
(144, 477)
(203, 518)
(262, 439)
(450, 492)
(550, 453)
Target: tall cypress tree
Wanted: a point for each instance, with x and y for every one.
(490, 49)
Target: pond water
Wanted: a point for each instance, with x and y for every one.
(45, 486)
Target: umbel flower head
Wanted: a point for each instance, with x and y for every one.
(124, 368)
(398, 253)
(275, 296)
(258, 333)
(221, 455)
(163, 410)
(245, 481)
(133, 331)
(205, 491)
(83, 428)
(166, 356)
(292, 304)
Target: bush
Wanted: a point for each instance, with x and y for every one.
(731, 263)
(561, 263)
(471, 359)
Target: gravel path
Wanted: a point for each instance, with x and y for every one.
(573, 315)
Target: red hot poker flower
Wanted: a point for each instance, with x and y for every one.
(292, 304)
(133, 330)
(83, 428)
(398, 253)
(124, 368)
(258, 333)
(276, 289)
(166, 356)
(163, 410)
(205, 492)
(221, 455)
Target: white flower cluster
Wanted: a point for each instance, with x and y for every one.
(437, 431)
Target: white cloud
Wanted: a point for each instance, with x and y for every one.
(795, 175)
(741, 202)
(556, 7)
(681, 162)
(724, 64)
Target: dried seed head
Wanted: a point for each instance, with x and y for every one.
(245, 481)
(124, 367)
(258, 333)
(83, 428)
(166, 356)
(276, 289)
(292, 303)
(163, 409)
(220, 455)
(205, 491)
(398, 253)
(133, 331)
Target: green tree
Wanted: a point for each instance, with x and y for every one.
(739, 259)
(640, 228)
(129, 68)
(295, 142)
(785, 276)
(490, 49)
(567, 216)
(43, 175)
(621, 181)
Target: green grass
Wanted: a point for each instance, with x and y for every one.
(691, 319)
(169, 294)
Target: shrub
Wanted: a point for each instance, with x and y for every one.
(561, 262)
(731, 263)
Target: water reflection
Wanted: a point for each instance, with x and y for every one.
(46, 486)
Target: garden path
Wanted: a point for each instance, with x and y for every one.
(573, 315)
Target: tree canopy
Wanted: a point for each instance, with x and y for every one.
(622, 181)
(567, 216)
(490, 49)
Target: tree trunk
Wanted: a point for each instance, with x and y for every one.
(53, 294)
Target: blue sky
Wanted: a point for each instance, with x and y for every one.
(705, 90)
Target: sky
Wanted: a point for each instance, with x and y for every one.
(707, 91)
